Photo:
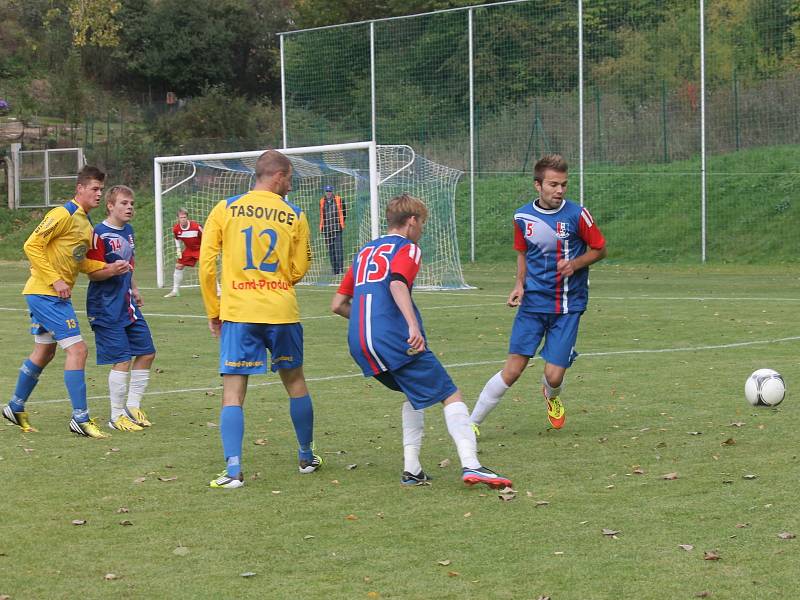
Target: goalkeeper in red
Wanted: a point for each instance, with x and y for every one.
(387, 340)
(556, 240)
(265, 249)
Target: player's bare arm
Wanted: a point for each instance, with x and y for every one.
(137, 297)
(215, 326)
(515, 297)
(566, 268)
(342, 304)
(62, 289)
(402, 298)
(118, 267)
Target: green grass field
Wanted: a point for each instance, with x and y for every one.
(658, 389)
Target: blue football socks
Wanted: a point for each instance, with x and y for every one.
(75, 380)
(302, 412)
(26, 381)
(231, 429)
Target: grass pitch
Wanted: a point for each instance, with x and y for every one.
(658, 390)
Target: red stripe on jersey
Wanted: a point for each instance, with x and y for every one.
(520, 245)
(559, 282)
(406, 262)
(98, 249)
(589, 232)
(362, 317)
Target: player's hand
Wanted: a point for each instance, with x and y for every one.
(415, 340)
(62, 289)
(137, 298)
(565, 268)
(119, 267)
(515, 297)
(215, 325)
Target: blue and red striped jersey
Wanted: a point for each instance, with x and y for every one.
(547, 236)
(378, 332)
(110, 302)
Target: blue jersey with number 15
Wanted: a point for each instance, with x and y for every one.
(378, 332)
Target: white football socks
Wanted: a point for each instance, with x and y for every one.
(138, 385)
(177, 278)
(490, 396)
(456, 416)
(413, 432)
(549, 390)
(117, 388)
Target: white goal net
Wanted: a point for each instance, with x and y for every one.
(363, 175)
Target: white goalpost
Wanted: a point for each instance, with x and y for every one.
(366, 176)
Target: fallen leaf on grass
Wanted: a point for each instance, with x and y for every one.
(108, 577)
(126, 523)
(373, 595)
(610, 532)
(711, 555)
(335, 481)
(157, 370)
(786, 535)
(351, 518)
(79, 522)
(210, 393)
(541, 503)
(123, 510)
(140, 480)
(195, 356)
(113, 449)
(638, 471)
(210, 424)
(687, 547)
(260, 442)
(351, 467)
(308, 537)
(704, 594)
(255, 475)
(670, 476)
(695, 432)
(444, 563)
(453, 573)
(742, 525)
(737, 424)
(173, 478)
(181, 551)
(445, 463)
(247, 574)
(543, 598)
(467, 515)
(276, 492)
(507, 494)
(28, 450)
(729, 442)
(750, 476)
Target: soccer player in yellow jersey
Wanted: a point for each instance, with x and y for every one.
(57, 252)
(265, 248)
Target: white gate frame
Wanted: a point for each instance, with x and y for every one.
(17, 156)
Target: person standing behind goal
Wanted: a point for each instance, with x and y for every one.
(556, 240)
(191, 234)
(265, 246)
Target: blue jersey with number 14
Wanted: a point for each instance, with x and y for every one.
(378, 332)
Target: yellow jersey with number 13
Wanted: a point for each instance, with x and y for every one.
(265, 247)
(57, 249)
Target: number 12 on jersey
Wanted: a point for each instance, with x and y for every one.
(265, 266)
(373, 264)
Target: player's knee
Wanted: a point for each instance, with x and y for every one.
(42, 354)
(77, 351)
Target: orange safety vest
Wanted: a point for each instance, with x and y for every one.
(339, 211)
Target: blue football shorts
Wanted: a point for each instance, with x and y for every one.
(424, 381)
(53, 320)
(560, 332)
(243, 347)
(120, 344)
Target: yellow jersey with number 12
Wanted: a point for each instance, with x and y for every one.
(265, 248)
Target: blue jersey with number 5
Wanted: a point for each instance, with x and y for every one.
(265, 250)
(378, 332)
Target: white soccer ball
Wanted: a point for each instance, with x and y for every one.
(765, 387)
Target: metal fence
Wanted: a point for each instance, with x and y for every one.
(679, 118)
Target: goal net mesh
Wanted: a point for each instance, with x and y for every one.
(197, 185)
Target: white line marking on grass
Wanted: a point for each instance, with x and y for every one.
(458, 365)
